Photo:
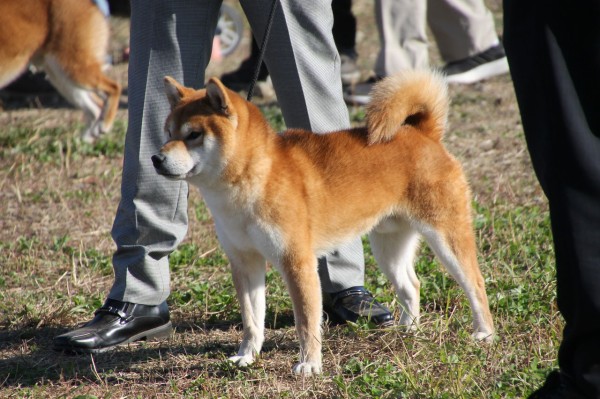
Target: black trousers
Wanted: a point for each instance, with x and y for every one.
(553, 49)
(344, 26)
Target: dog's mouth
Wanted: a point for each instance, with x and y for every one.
(171, 176)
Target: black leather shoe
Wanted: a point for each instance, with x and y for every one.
(117, 323)
(355, 302)
(557, 386)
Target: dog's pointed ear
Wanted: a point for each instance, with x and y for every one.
(217, 95)
(175, 91)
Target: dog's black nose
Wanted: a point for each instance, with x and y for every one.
(157, 160)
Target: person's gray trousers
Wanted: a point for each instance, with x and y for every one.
(174, 37)
(462, 28)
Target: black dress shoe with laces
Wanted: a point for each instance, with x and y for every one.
(117, 323)
(355, 302)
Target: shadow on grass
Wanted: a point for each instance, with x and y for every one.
(49, 99)
(27, 358)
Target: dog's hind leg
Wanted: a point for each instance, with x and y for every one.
(453, 242)
(112, 91)
(75, 56)
(249, 269)
(99, 99)
(82, 98)
(94, 93)
(394, 244)
(299, 271)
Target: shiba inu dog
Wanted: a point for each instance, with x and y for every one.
(289, 198)
(68, 39)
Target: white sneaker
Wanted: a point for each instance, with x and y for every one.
(489, 63)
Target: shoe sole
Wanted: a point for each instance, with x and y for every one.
(158, 333)
(331, 318)
(485, 71)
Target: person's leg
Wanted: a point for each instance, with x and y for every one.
(305, 67)
(466, 38)
(553, 53)
(403, 44)
(344, 26)
(402, 34)
(344, 35)
(167, 38)
(461, 28)
(303, 61)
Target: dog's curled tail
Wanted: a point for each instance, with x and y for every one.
(412, 99)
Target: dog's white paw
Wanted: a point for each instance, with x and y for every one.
(88, 137)
(93, 132)
(241, 361)
(307, 368)
(483, 336)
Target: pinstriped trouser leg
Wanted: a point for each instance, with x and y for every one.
(173, 38)
(167, 38)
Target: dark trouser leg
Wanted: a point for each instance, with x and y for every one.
(553, 50)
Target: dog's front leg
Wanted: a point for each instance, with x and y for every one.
(249, 279)
(302, 279)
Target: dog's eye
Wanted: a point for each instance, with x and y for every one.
(194, 135)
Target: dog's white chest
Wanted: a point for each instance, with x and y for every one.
(239, 230)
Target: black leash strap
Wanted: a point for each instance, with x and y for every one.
(263, 48)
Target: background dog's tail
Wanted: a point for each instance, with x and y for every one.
(412, 99)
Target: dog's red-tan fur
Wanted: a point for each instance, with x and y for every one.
(288, 198)
(69, 40)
